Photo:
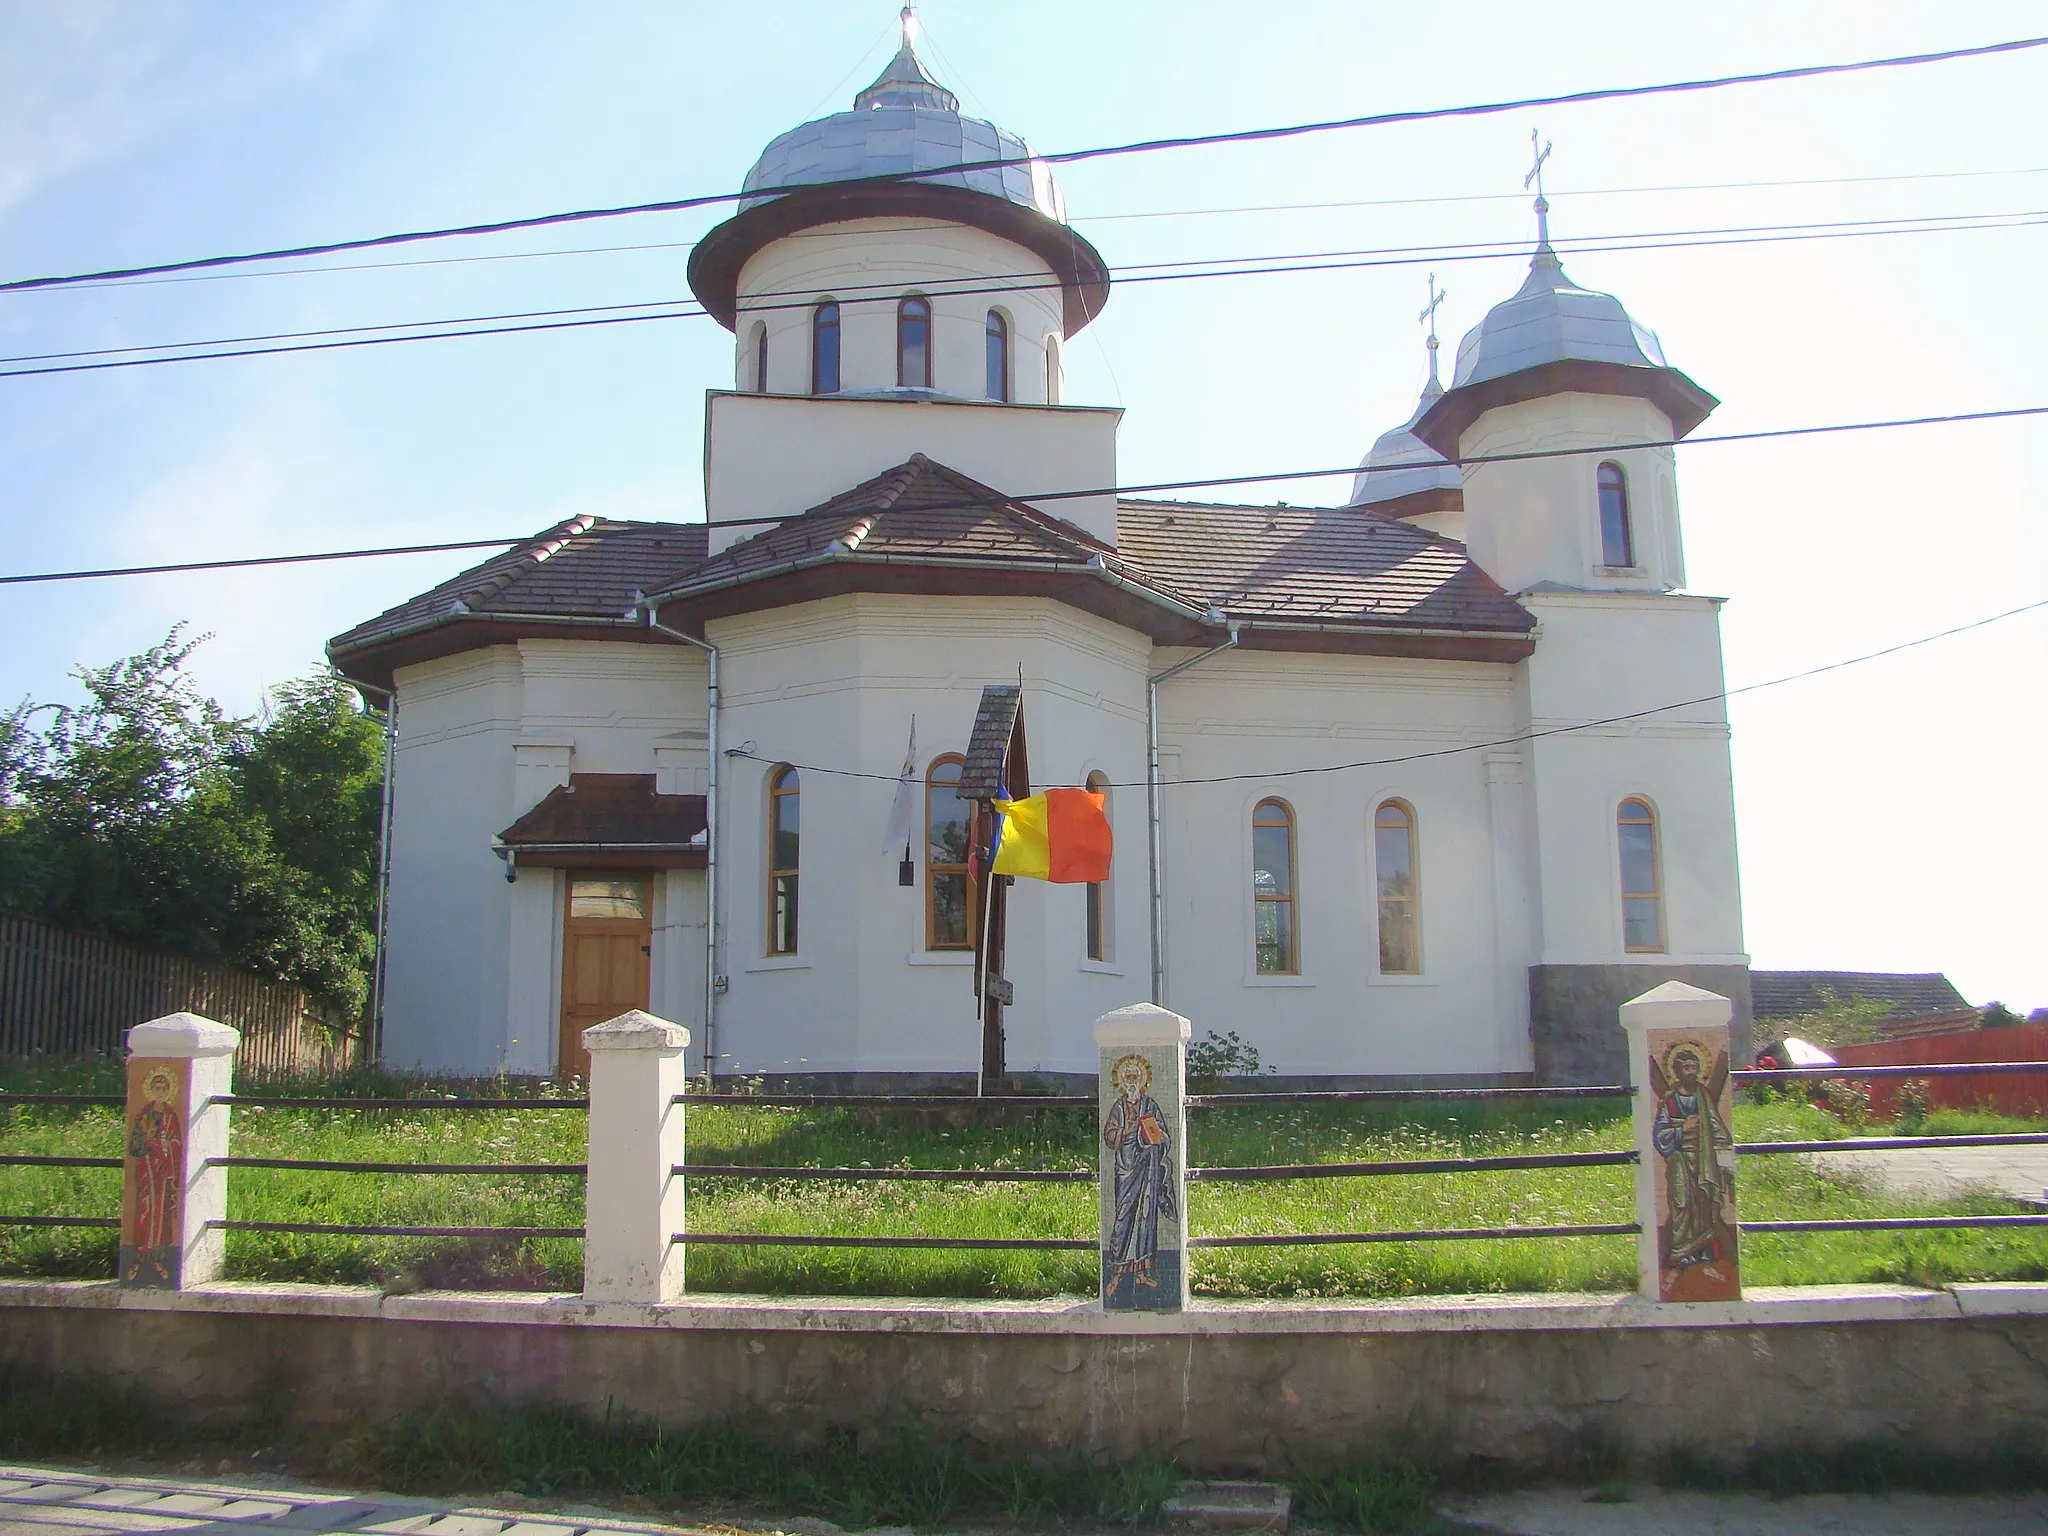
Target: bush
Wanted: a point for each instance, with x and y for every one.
(1217, 1056)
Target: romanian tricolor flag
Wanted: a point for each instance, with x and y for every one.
(1061, 835)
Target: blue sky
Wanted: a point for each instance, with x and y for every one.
(1891, 815)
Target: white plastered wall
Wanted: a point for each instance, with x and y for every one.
(750, 472)
(1537, 521)
(868, 266)
(1253, 718)
(834, 684)
(1603, 655)
(474, 980)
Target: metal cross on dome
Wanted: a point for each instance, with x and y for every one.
(1540, 148)
(1428, 315)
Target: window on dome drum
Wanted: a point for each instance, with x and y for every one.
(948, 893)
(1393, 853)
(1273, 935)
(1617, 539)
(1052, 371)
(998, 349)
(825, 349)
(1642, 900)
(914, 344)
(760, 357)
(1099, 939)
(784, 813)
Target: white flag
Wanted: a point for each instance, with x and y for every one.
(898, 835)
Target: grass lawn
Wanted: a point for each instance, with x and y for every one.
(1772, 1188)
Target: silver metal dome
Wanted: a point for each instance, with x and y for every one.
(1553, 320)
(905, 121)
(1402, 464)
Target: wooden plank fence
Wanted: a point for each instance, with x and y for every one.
(66, 993)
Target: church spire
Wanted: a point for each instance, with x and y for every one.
(906, 82)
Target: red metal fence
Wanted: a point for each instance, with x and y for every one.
(2015, 1093)
(73, 994)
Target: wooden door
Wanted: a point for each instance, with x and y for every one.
(606, 944)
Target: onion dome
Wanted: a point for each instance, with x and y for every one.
(1403, 476)
(1552, 338)
(868, 162)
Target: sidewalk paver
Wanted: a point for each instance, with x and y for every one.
(2020, 1172)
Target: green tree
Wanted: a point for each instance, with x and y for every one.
(150, 814)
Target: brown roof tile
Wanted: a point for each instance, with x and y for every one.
(615, 809)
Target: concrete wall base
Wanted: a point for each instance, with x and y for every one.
(1227, 1388)
(1573, 1008)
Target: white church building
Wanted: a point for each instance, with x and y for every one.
(1394, 793)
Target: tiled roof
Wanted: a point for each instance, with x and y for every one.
(988, 744)
(583, 567)
(1330, 564)
(919, 509)
(1782, 994)
(615, 809)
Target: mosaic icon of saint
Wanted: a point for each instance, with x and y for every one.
(1136, 1130)
(1691, 1136)
(156, 1147)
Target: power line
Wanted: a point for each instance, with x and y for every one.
(1024, 282)
(1536, 734)
(1087, 218)
(1066, 157)
(1489, 249)
(376, 551)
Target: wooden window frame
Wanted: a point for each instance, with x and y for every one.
(1098, 940)
(784, 784)
(825, 317)
(904, 307)
(760, 357)
(933, 869)
(1611, 476)
(1412, 902)
(1655, 895)
(1293, 924)
(995, 332)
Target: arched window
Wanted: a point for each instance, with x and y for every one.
(1393, 856)
(825, 348)
(997, 348)
(760, 357)
(784, 813)
(1273, 933)
(1101, 941)
(1617, 539)
(1642, 899)
(1052, 370)
(914, 344)
(948, 893)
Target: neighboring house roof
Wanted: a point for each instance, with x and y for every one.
(1298, 578)
(1782, 994)
(583, 570)
(597, 817)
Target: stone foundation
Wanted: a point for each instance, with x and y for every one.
(1573, 1008)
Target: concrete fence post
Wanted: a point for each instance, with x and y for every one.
(1142, 1092)
(173, 1194)
(1678, 1064)
(632, 1203)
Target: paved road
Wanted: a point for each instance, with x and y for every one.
(42, 1502)
(37, 1501)
(2021, 1172)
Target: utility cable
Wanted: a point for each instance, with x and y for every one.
(1139, 274)
(1536, 734)
(1065, 157)
(997, 499)
(1014, 282)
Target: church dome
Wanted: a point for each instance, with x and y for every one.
(906, 121)
(1553, 320)
(1403, 475)
(866, 163)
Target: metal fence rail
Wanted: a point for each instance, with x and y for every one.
(1930, 1069)
(1403, 1165)
(811, 1240)
(1413, 1235)
(1406, 1096)
(930, 1175)
(311, 1165)
(913, 1101)
(1892, 1143)
(1894, 1223)
(346, 1229)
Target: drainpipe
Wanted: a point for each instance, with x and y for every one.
(376, 1019)
(1152, 806)
(710, 833)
